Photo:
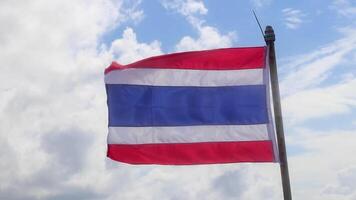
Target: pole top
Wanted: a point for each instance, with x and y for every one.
(269, 35)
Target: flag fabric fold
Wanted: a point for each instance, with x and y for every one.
(200, 107)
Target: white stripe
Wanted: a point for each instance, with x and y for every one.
(181, 77)
(271, 129)
(187, 134)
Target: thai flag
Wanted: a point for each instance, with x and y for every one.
(199, 107)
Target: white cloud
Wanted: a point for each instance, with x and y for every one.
(315, 86)
(128, 49)
(132, 11)
(248, 183)
(344, 8)
(345, 183)
(303, 95)
(325, 164)
(320, 102)
(208, 38)
(293, 18)
(186, 7)
(261, 3)
(311, 69)
(190, 9)
(181, 183)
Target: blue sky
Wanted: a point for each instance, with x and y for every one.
(314, 18)
(53, 115)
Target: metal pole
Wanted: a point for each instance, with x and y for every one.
(270, 38)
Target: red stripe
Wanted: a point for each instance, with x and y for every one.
(193, 153)
(217, 59)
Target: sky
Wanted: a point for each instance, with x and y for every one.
(53, 114)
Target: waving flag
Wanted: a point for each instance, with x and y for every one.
(199, 107)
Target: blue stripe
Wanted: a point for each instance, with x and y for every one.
(139, 105)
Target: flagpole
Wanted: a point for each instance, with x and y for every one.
(270, 38)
